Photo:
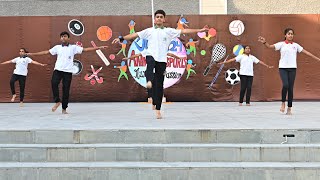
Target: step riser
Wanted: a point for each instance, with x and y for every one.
(159, 173)
(162, 154)
(157, 136)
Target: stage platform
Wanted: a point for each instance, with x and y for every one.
(177, 115)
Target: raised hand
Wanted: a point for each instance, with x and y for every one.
(204, 29)
(261, 39)
(102, 47)
(116, 40)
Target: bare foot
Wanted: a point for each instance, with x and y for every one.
(153, 107)
(21, 104)
(289, 111)
(240, 104)
(283, 107)
(248, 104)
(13, 98)
(149, 100)
(55, 107)
(158, 114)
(149, 85)
(64, 111)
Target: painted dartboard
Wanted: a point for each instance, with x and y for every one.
(76, 27)
(77, 67)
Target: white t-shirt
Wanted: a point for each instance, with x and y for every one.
(21, 65)
(288, 54)
(246, 64)
(65, 55)
(159, 41)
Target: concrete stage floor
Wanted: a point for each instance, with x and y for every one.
(177, 115)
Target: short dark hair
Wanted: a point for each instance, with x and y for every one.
(25, 50)
(160, 11)
(287, 30)
(64, 33)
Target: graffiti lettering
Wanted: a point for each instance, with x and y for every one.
(176, 63)
(174, 44)
(143, 46)
(139, 74)
(173, 75)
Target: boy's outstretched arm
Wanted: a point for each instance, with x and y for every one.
(190, 31)
(38, 53)
(127, 37)
(132, 57)
(93, 48)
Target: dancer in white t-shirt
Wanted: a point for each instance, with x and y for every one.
(287, 64)
(159, 39)
(246, 61)
(63, 68)
(20, 73)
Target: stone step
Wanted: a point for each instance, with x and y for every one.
(159, 136)
(160, 152)
(160, 171)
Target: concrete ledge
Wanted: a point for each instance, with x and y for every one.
(287, 165)
(162, 136)
(160, 152)
(160, 171)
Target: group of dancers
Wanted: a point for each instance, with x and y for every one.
(159, 39)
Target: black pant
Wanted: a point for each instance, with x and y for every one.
(150, 66)
(22, 84)
(66, 78)
(288, 75)
(246, 84)
(157, 79)
(149, 93)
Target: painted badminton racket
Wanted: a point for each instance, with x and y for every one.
(218, 73)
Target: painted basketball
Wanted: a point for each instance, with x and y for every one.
(104, 33)
(238, 50)
(236, 27)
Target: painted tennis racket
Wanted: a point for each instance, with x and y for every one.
(218, 52)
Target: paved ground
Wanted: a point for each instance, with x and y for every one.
(189, 115)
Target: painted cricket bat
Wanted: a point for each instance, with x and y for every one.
(101, 55)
